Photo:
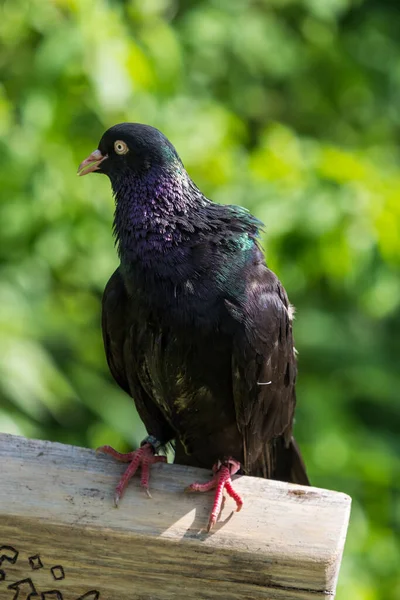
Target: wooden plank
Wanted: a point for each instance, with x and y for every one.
(56, 510)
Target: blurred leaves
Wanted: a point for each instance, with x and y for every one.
(289, 107)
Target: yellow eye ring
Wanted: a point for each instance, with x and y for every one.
(120, 147)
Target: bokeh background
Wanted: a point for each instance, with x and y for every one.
(289, 107)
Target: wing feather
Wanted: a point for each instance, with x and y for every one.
(263, 367)
(121, 336)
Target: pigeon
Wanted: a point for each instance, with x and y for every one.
(196, 328)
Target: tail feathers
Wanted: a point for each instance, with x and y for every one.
(296, 468)
(282, 461)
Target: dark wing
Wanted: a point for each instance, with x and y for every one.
(113, 322)
(264, 374)
(121, 332)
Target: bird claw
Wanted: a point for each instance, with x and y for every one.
(221, 480)
(143, 458)
(189, 489)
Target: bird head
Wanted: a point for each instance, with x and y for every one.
(130, 149)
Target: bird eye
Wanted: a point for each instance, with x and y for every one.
(120, 147)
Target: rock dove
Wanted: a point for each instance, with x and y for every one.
(196, 328)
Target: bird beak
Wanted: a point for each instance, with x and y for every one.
(91, 163)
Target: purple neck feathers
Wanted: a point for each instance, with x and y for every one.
(152, 213)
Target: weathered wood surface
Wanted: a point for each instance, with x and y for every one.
(56, 505)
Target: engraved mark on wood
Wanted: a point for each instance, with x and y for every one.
(9, 554)
(35, 562)
(92, 595)
(51, 595)
(58, 572)
(20, 592)
(25, 588)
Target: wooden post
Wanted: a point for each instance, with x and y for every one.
(62, 539)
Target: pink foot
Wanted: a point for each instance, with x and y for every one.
(221, 480)
(143, 457)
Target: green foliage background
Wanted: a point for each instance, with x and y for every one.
(289, 107)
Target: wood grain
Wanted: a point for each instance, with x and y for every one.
(56, 502)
